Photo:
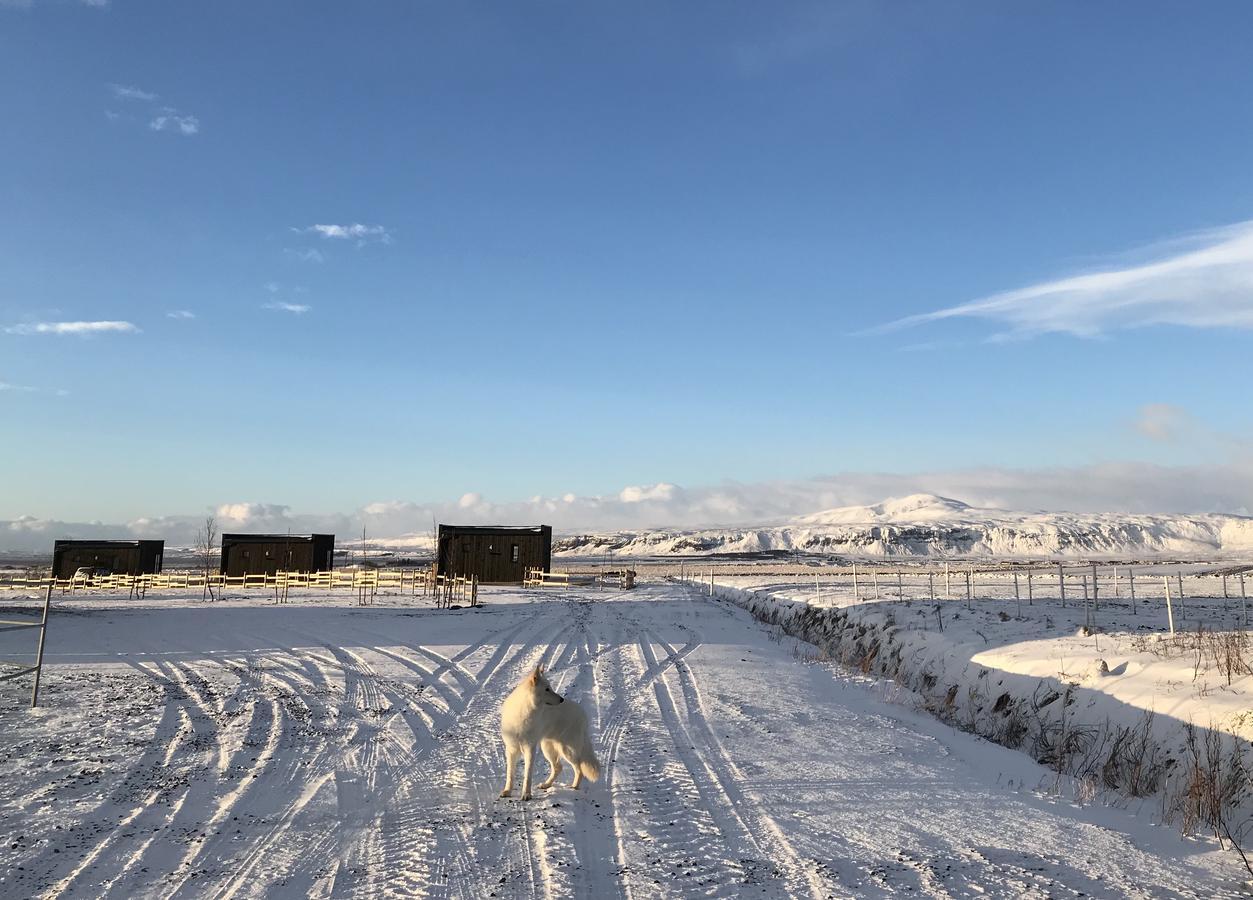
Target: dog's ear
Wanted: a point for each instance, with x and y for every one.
(533, 678)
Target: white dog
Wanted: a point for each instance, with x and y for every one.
(535, 714)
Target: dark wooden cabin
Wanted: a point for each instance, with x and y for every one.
(265, 554)
(117, 557)
(496, 554)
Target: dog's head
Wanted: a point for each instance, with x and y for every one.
(543, 691)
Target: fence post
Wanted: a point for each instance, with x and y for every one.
(39, 652)
(1061, 584)
(1131, 585)
(1096, 601)
(874, 575)
(948, 590)
(969, 590)
(1244, 608)
(1030, 592)
(931, 584)
(1170, 615)
(817, 591)
(856, 589)
(1116, 593)
(1087, 609)
(900, 586)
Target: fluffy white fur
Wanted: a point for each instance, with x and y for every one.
(535, 714)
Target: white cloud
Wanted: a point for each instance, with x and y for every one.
(362, 234)
(180, 314)
(297, 308)
(1122, 487)
(1164, 422)
(661, 491)
(307, 254)
(172, 120)
(130, 92)
(98, 4)
(10, 388)
(79, 328)
(1200, 281)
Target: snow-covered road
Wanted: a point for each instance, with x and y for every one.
(319, 749)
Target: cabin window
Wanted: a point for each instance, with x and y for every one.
(513, 553)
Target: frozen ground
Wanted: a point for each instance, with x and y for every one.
(320, 749)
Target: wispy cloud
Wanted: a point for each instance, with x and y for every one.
(78, 328)
(10, 388)
(298, 308)
(306, 254)
(173, 120)
(1200, 281)
(130, 92)
(1163, 421)
(362, 234)
(180, 314)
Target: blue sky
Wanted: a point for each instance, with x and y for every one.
(607, 245)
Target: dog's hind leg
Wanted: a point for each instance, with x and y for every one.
(511, 763)
(553, 755)
(528, 759)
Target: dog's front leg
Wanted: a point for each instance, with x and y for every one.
(528, 757)
(511, 763)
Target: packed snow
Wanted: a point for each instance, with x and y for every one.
(321, 749)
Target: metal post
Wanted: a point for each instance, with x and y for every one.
(1244, 607)
(39, 654)
(1096, 601)
(874, 575)
(931, 584)
(900, 585)
(969, 590)
(1170, 614)
(1061, 584)
(856, 589)
(948, 589)
(1030, 592)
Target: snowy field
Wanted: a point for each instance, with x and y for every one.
(187, 749)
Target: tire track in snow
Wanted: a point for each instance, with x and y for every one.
(764, 833)
(197, 755)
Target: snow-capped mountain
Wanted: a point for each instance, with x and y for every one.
(928, 525)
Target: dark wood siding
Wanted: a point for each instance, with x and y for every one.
(119, 557)
(265, 554)
(489, 552)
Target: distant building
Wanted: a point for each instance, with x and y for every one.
(497, 555)
(117, 557)
(265, 554)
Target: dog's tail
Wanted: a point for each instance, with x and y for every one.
(589, 766)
